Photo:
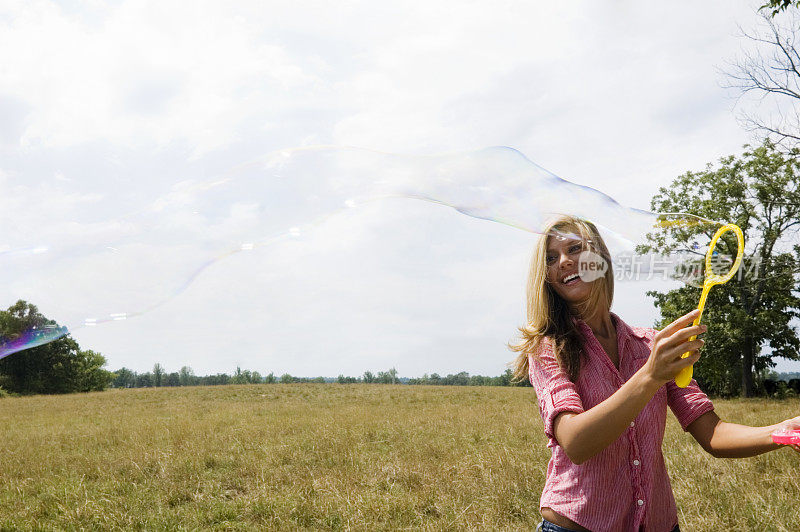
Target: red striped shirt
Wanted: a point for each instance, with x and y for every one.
(625, 486)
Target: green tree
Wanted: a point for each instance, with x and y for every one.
(760, 192)
(124, 378)
(478, 380)
(86, 373)
(459, 379)
(506, 379)
(773, 7)
(387, 377)
(144, 380)
(59, 366)
(245, 376)
(158, 374)
(186, 376)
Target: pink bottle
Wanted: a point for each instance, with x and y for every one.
(786, 437)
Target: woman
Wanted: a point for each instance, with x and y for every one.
(603, 390)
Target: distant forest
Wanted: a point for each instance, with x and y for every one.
(127, 378)
(784, 376)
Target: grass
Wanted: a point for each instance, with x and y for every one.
(328, 456)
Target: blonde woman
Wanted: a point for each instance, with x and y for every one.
(603, 389)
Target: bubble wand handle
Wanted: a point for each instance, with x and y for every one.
(684, 377)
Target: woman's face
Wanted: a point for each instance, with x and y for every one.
(562, 268)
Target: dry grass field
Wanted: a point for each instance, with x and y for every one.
(329, 456)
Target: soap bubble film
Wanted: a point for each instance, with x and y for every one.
(140, 252)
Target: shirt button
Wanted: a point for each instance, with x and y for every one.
(632, 423)
(636, 462)
(640, 502)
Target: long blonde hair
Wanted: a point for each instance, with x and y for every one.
(549, 315)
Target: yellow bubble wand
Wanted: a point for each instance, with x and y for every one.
(711, 279)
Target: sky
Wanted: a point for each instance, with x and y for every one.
(153, 156)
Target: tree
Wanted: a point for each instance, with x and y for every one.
(772, 74)
(213, 380)
(773, 7)
(158, 374)
(245, 376)
(506, 378)
(86, 373)
(459, 379)
(186, 376)
(479, 380)
(59, 366)
(760, 192)
(124, 378)
(144, 380)
(387, 377)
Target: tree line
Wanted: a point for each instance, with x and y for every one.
(62, 367)
(158, 377)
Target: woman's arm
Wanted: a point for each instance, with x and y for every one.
(584, 435)
(729, 440)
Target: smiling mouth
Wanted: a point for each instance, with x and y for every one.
(570, 279)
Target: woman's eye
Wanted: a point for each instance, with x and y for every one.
(550, 259)
(575, 248)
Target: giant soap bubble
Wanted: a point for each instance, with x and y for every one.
(93, 266)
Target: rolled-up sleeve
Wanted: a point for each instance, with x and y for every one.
(554, 391)
(688, 403)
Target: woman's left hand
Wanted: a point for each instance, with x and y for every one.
(790, 424)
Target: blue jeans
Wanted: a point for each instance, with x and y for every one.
(547, 526)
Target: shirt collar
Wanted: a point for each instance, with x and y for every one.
(624, 331)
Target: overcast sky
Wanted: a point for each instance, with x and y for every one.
(138, 142)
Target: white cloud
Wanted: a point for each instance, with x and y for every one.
(145, 73)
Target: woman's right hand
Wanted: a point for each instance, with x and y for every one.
(669, 344)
